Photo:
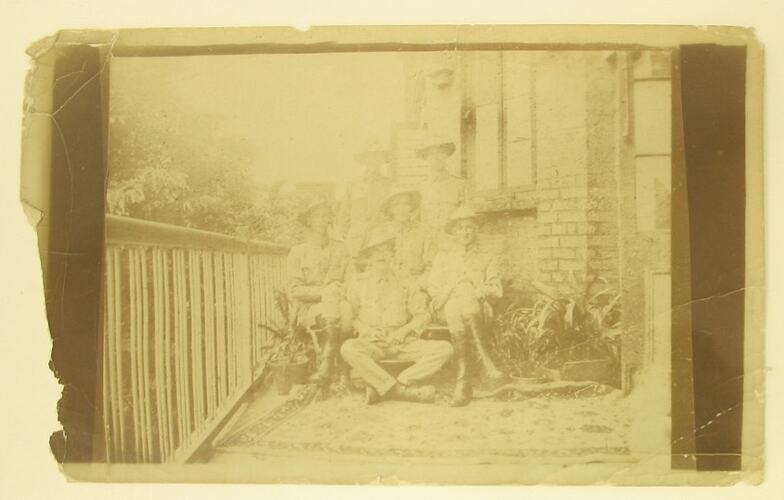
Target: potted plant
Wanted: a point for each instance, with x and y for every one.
(572, 332)
(288, 354)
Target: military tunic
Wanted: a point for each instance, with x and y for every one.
(459, 281)
(412, 248)
(440, 196)
(359, 209)
(309, 268)
(384, 303)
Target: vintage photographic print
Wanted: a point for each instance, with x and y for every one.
(362, 254)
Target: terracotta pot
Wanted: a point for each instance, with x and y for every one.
(288, 374)
(298, 372)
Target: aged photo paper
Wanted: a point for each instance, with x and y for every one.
(425, 254)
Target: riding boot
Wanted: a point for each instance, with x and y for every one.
(462, 393)
(328, 354)
(344, 372)
(474, 328)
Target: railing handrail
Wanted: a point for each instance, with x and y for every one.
(128, 230)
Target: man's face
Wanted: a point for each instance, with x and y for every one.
(319, 219)
(401, 209)
(380, 257)
(465, 231)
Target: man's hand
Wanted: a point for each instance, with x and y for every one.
(400, 335)
(438, 302)
(374, 334)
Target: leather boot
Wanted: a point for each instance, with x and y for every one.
(462, 393)
(422, 394)
(344, 374)
(371, 396)
(477, 335)
(328, 354)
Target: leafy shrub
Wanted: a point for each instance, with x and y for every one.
(579, 322)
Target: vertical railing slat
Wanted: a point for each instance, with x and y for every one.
(133, 354)
(177, 357)
(157, 313)
(182, 341)
(167, 353)
(220, 323)
(208, 333)
(109, 420)
(118, 350)
(146, 352)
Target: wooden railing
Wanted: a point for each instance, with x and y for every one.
(182, 342)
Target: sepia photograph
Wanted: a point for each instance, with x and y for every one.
(333, 261)
(440, 230)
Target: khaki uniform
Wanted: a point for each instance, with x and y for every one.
(412, 249)
(440, 197)
(382, 305)
(309, 268)
(458, 282)
(359, 211)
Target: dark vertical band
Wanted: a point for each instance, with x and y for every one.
(73, 279)
(713, 80)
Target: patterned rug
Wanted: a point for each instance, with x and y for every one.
(544, 426)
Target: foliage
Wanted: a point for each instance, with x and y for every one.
(289, 346)
(575, 323)
(197, 179)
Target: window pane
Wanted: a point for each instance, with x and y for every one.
(517, 108)
(652, 123)
(486, 170)
(519, 170)
(653, 193)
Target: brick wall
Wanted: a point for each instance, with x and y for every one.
(603, 133)
(512, 237)
(561, 172)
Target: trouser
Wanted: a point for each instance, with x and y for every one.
(337, 320)
(456, 309)
(428, 357)
(465, 319)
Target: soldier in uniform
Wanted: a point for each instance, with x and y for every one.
(460, 282)
(315, 272)
(359, 210)
(390, 314)
(442, 193)
(411, 239)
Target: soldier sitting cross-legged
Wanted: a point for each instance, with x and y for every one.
(390, 314)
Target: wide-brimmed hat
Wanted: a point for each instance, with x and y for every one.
(413, 194)
(381, 235)
(462, 212)
(305, 214)
(447, 146)
(373, 153)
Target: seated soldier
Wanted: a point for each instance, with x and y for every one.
(460, 281)
(390, 313)
(315, 271)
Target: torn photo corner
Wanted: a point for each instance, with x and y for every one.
(413, 254)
